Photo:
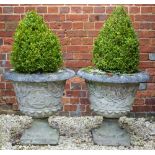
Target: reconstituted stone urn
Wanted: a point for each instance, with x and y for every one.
(111, 96)
(39, 96)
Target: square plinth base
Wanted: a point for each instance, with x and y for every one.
(40, 133)
(110, 134)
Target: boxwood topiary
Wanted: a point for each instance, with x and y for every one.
(35, 48)
(116, 47)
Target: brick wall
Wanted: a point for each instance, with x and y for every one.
(77, 26)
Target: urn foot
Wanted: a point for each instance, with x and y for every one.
(40, 133)
(110, 134)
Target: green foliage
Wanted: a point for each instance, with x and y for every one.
(35, 48)
(116, 47)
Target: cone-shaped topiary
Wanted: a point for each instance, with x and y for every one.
(116, 47)
(35, 48)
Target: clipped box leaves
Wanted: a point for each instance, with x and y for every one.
(35, 48)
(116, 48)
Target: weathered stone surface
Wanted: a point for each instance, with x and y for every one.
(39, 99)
(60, 75)
(40, 133)
(39, 95)
(152, 56)
(100, 76)
(111, 134)
(112, 95)
(111, 100)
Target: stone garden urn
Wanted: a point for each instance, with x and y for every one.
(111, 96)
(39, 96)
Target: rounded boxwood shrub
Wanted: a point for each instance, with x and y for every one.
(35, 48)
(116, 49)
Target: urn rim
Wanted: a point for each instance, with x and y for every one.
(60, 75)
(115, 78)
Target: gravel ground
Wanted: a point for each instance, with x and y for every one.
(75, 133)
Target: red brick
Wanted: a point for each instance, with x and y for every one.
(2, 85)
(93, 18)
(27, 9)
(68, 56)
(67, 86)
(49, 18)
(60, 33)
(11, 26)
(152, 79)
(147, 26)
(42, 9)
(65, 100)
(77, 17)
(67, 25)
(152, 41)
(6, 48)
(76, 41)
(18, 9)
(77, 80)
(93, 33)
(9, 93)
(64, 10)
(52, 9)
(77, 48)
(88, 25)
(99, 10)
(151, 71)
(141, 108)
(98, 25)
(76, 33)
(87, 9)
(83, 108)
(8, 10)
(9, 86)
(144, 57)
(8, 41)
(65, 41)
(151, 86)
(55, 25)
(78, 25)
(136, 25)
(2, 26)
(87, 41)
(11, 18)
(145, 18)
(70, 107)
(84, 101)
(139, 101)
(88, 110)
(109, 9)
(147, 49)
(146, 93)
(146, 10)
(144, 42)
(82, 56)
(74, 100)
(77, 63)
(76, 9)
(10, 100)
(147, 64)
(134, 10)
(146, 34)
